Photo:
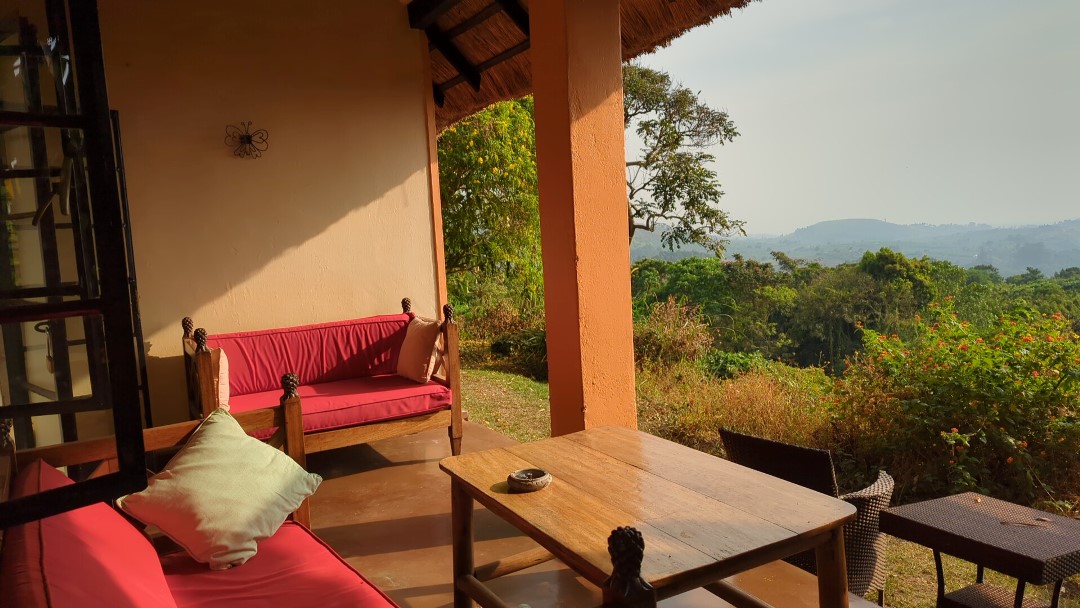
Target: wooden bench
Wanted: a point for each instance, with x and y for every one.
(346, 377)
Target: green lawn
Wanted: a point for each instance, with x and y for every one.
(518, 407)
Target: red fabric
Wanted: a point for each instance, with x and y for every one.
(87, 557)
(292, 568)
(325, 352)
(333, 405)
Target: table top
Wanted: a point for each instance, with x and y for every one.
(1026, 543)
(698, 514)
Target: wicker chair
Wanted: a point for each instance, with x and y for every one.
(812, 468)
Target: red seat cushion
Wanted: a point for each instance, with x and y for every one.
(87, 557)
(292, 568)
(344, 403)
(324, 352)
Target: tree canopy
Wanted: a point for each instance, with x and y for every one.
(669, 180)
(487, 180)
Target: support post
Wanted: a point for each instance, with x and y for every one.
(577, 83)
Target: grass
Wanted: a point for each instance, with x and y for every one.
(511, 404)
(518, 407)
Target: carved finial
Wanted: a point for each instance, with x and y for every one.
(627, 548)
(289, 383)
(406, 305)
(188, 326)
(200, 340)
(5, 432)
(448, 312)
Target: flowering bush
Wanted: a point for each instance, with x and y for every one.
(957, 409)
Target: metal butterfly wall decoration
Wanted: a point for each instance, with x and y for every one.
(244, 142)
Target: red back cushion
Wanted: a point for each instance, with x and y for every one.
(325, 352)
(87, 557)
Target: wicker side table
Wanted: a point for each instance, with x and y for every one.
(1034, 546)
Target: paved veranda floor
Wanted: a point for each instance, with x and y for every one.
(385, 507)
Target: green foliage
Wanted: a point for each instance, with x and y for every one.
(957, 408)
(672, 332)
(670, 182)
(488, 308)
(685, 403)
(491, 217)
(527, 349)
(724, 364)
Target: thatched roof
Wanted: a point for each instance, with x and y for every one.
(486, 42)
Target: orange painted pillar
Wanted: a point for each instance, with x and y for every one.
(576, 58)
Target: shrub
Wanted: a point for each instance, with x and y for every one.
(723, 364)
(489, 309)
(957, 409)
(671, 333)
(527, 349)
(687, 404)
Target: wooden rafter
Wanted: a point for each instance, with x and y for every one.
(466, 25)
(484, 66)
(423, 13)
(454, 56)
(517, 14)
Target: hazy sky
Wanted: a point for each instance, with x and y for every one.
(936, 111)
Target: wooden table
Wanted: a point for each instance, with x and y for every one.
(1031, 545)
(701, 518)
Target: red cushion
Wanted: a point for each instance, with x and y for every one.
(334, 405)
(324, 352)
(292, 568)
(87, 557)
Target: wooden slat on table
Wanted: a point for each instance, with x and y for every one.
(570, 522)
(785, 504)
(689, 517)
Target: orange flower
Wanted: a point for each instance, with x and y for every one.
(1028, 339)
(1035, 373)
(952, 462)
(1009, 460)
(953, 430)
(963, 347)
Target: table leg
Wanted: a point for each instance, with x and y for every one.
(461, 509)
(832, 571)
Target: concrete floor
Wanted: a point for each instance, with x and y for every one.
(385, 507)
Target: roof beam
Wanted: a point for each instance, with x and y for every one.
(454, 56)
(485, 66)
(423, 13)
(517, 13)
(466, 25)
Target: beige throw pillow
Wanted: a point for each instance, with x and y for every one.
(418, 354)
(222, 493)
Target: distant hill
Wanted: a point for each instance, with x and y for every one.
(1012, 250)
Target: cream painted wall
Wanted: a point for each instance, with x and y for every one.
(333, 222)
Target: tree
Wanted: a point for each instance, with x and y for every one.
(669, 182)
(491, 217)
(487, 172)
